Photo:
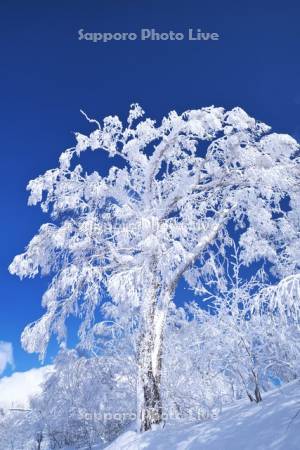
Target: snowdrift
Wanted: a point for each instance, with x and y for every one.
(272, 425)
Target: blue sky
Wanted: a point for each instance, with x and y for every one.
(47, 75)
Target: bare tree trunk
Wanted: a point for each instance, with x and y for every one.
(258, 397)
(149, 371)
(149, 398)
(257, 394)
(153, 316)
(250, 397)
(150, 349)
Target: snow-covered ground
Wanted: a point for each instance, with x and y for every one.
(271, 425)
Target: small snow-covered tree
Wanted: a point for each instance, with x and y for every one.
(163, 210)
(194, 382)
(251, 334)
(14, 431)
(279, 305)
(84, 401)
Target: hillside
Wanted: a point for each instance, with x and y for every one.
(271, 425)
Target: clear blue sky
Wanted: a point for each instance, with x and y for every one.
(47, 75)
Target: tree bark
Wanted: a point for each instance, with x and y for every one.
(149, 398)
(150, 348)
(149, 358)
(258, 397)
(153, 315)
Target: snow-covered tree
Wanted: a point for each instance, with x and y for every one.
(250, 334)
(173, 195)
(16, 431)
(194, 386)
(84, 401)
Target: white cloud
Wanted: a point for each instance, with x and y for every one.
(16, 390)
(6, 355)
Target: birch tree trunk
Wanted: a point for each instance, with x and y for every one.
(153, 315)
(150, 351)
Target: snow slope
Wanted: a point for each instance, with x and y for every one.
(271, 425)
